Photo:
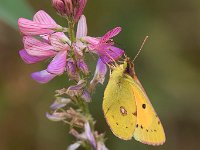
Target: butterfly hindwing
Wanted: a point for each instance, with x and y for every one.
(149, 129)
(119, 107)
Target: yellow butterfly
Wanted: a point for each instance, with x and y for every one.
(127, 108)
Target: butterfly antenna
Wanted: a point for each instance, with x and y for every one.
(115, 63)
(110, 65)
(141, 48)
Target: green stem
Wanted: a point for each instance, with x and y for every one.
(81, 103)
(71, 31)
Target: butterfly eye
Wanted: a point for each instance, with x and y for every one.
(130, 69)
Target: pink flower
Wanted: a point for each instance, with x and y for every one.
(37, 50)
(49, 45)
(70, 8)
(104, 46)
(42, 24)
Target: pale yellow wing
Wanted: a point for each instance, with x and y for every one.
(119, 108)
(149, 129)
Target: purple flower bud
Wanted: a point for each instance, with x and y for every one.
(83, 66)
(60, 102)
(79, 9)
(71, 69)
(86, 96)
(63, 7)
(70, 8)
(56, 116)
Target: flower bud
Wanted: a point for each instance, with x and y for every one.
(56, 116)
(80, 5)
(63, 7)
(60, 102)
(86, 96)
(83, 66)
(59, 5)
(76, 90)
(70, 8)
(71, 69)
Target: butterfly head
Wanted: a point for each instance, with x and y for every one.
(127, 67)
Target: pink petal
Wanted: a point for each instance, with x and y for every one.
(90, 135)
(78, 49)
(57, 65)
(99, 49)
(56, 116)
(110, 34)
(111, 53)
(82, 28)
(42, 76)
(92, 40)
(30, 59)
(59, 41)
(36, 47)
(100, 73)
(73, 146)
(28, 27)
(43, 18)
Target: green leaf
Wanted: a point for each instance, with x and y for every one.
(11, 10)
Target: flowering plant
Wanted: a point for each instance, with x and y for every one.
(44, 39)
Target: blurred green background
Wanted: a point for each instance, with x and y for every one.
(168, 68)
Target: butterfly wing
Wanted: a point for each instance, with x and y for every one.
(119, 108)
(149, 129)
